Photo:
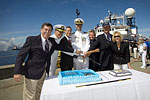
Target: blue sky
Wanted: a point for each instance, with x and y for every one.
(22, 18)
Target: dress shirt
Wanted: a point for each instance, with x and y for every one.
(69, 39)
(43, 42)
(108, 37)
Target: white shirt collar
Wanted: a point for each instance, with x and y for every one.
(56, 39)
(67, 37)
(79, 33)
(54, 36)
(43, 39)
(108, 35)
(105, 34)
(43, 42)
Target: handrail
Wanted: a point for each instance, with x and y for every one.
(7, 56)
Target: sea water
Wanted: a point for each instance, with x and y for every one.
(8, 57)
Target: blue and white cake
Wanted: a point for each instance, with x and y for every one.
(78, 76)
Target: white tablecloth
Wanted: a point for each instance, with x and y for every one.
(138, 88)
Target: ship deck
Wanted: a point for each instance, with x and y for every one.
(11, 90)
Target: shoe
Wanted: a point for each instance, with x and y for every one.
(143, 67)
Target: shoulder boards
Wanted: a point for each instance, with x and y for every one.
(73, 33)
(85, 32)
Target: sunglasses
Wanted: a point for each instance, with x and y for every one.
(116, 36)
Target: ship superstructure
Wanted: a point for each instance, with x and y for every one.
(124, 23)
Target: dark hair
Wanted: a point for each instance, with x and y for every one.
(92, 31)
(146, 39)
(47, 24)
(68, 27)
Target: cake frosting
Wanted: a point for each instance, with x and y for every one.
(78, 76)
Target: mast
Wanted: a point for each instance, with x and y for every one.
(77, 13)
(109, 16)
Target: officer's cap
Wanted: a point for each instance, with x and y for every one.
(60, 27)
(105, 24)
(79, 21)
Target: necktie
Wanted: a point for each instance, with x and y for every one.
(69, 41)
(47, 58)
(46, 46)
(108, 38)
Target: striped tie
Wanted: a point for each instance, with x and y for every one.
(46, 46)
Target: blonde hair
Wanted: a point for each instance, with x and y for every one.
(113, 37)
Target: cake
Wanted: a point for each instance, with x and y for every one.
(78, 76)
(119, 73)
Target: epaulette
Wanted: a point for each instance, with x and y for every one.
(73, 33)
(85, 32)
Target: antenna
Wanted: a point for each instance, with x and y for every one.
(129, 13)
(109, 12)
(77, 12)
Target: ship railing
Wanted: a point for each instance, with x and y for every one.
(7, 56)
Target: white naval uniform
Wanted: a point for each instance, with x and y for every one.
(80, 41)
(54, 57)
(135, 52)
(143, 53)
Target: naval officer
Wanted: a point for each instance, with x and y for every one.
(80, 41)
(59, 30)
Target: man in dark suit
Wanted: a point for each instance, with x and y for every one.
(103, 45)
(38, 50)
(66, 62)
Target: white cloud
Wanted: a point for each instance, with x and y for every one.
(4, 46)
(20, 40)
(18, 33)
(7, 44)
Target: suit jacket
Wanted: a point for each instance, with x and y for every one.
(122, 55)
(106, 55)
(66, 60)
(95, 56)
(37, 58)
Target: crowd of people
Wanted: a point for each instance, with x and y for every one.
(79, 50)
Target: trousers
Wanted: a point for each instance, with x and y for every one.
(120, 66)
(53, 61)
(32, 88)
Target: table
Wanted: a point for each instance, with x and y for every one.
(137, 88)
